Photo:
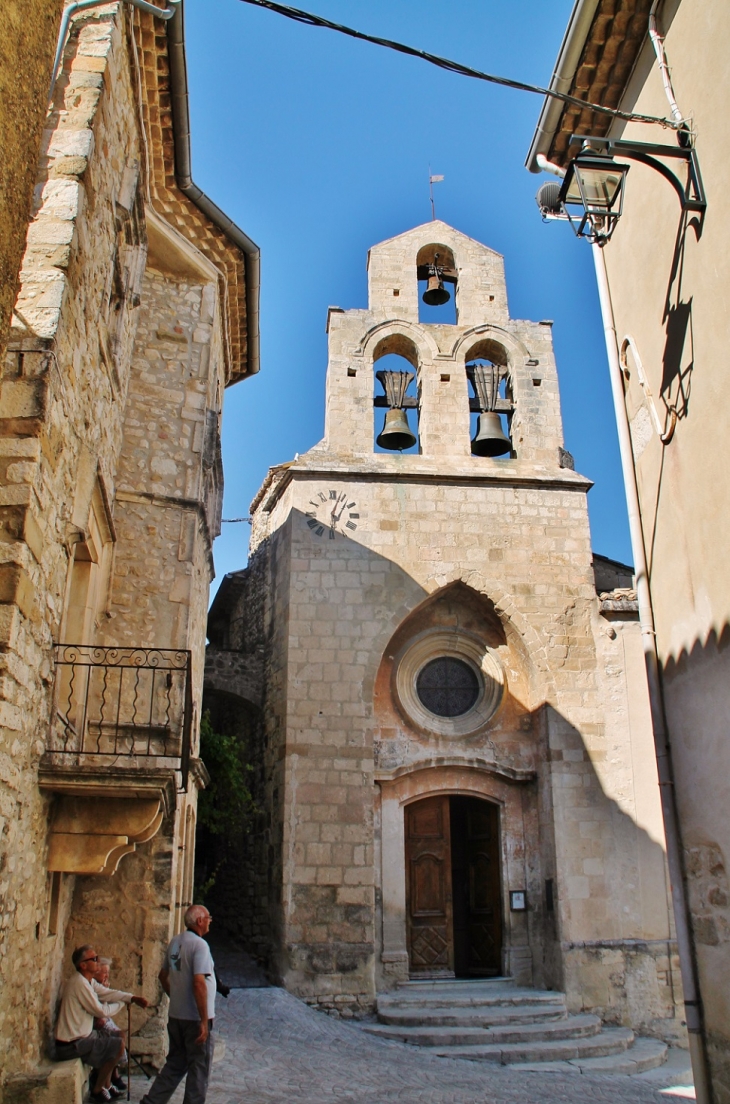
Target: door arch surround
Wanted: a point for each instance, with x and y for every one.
(511, 797)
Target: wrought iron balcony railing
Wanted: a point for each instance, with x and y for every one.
(117, 707)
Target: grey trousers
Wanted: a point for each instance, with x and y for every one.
(183, 1057)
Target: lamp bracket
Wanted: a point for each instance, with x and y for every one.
(691, 195)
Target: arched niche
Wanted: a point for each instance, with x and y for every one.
(442, 257)
(395, 352)
(486, 350)
(427, 255)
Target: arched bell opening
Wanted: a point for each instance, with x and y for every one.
(453, 886)
(491, 404)
(395, 362)
(437, 285)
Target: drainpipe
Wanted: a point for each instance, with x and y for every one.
(184, 180)
(687, 963)
(83, 5)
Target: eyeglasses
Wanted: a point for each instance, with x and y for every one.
(94, 958)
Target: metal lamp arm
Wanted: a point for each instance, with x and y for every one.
(696, 202)
(692, 197)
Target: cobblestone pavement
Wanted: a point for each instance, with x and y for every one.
(278, 1051)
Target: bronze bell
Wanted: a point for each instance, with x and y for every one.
(490, 439)
(396, 434)
(435, 294)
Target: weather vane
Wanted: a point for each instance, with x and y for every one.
(436, 179)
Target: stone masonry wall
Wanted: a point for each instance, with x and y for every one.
(75, 398)
(165, 532)
(55, 405)
(159, 593)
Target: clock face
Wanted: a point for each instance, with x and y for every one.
(331, 512)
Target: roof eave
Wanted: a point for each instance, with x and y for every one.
(183, 177)
(579, 26)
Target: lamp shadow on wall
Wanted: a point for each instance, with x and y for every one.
(678, 358)
(613, 955)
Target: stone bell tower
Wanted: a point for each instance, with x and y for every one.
(453, 749)
(521, 353)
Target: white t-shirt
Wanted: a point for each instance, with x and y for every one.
(187, 955)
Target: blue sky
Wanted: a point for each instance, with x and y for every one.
(319, 146)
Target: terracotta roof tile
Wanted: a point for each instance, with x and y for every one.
(613, 44)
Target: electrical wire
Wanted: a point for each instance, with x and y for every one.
(454, 66)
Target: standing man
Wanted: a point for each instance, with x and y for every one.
(188, 978)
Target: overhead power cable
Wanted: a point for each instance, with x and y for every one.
(454, 66)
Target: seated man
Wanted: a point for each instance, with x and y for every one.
(106, 1026)
(75, 1034)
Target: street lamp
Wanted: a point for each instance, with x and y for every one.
(591, 195)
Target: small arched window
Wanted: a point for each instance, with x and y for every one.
(437, 278)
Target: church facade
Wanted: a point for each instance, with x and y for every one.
(442, 686)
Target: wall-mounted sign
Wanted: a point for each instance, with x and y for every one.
(518, 900)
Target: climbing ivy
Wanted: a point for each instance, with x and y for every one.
(225, 806)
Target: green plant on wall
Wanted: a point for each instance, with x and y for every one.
(226, 806)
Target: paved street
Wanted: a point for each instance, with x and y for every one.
(277, 1050)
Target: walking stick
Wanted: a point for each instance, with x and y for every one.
(129, 1051)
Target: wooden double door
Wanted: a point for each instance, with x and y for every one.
(453, 887)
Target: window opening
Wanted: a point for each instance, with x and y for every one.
(490, 409)
(395, 393)
(448, 687)
(437, 279)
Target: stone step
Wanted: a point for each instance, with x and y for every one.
(610, 1041)
(494, 1020)
(479, 1015)
(642, 1056)
(468, 995)
(455, 983)
(433, 1035)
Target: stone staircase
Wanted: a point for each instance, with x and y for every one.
(497, 1021)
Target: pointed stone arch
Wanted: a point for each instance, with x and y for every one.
(515, 626)
(508, 612)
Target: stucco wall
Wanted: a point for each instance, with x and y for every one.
(669, 280)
